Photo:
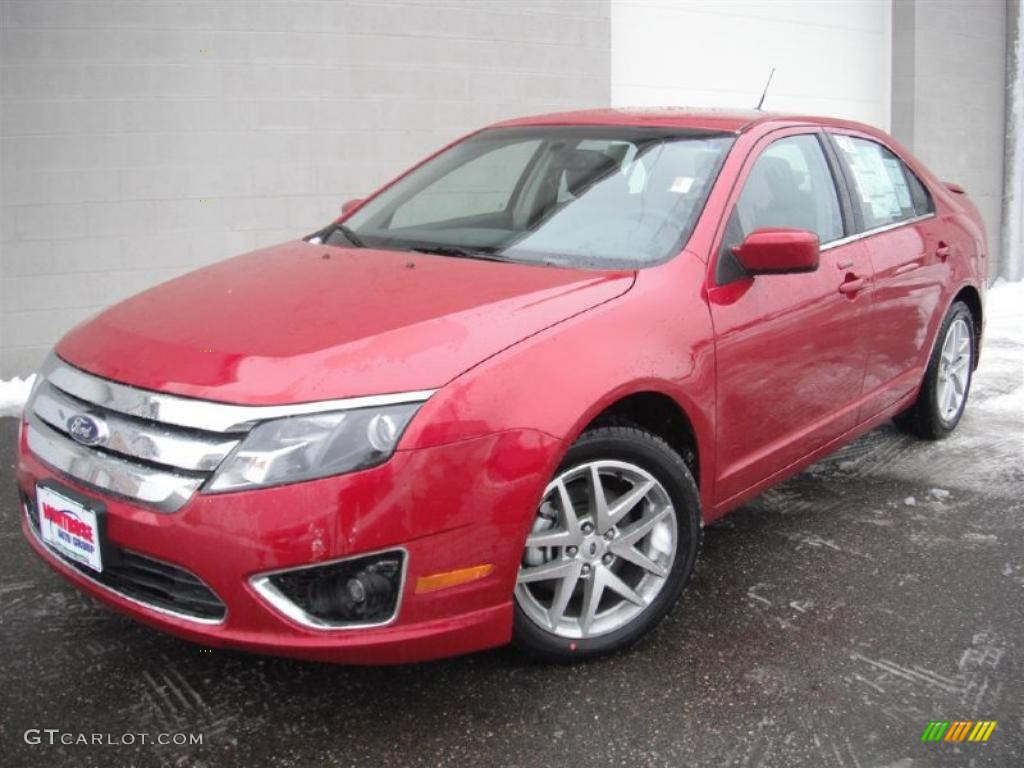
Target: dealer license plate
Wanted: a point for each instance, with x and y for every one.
(69, 527)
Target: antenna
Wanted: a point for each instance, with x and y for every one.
(765, 91)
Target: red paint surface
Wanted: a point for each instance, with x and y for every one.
(772, 372)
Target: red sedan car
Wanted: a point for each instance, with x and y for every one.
(499, 399)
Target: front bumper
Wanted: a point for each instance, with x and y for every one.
(449, 507)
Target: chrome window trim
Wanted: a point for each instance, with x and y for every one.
(276, 599)
(148, 441)
(167, 491)
(148, 606)
(208, 415)
(876, 231)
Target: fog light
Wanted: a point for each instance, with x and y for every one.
(366, 596)
(356, 592)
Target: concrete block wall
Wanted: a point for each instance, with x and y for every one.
(949, 97)
(142, 140)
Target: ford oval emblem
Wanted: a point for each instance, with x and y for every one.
(86, 430)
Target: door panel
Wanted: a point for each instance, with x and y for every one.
(903, 303)
(790, 354)
(790, 359)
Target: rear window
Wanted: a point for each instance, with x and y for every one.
(923, 204)
(884, 190)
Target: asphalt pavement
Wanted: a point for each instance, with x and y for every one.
(829, 621)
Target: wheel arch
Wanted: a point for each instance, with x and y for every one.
(655, 411)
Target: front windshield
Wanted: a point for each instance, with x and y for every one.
(576, 196)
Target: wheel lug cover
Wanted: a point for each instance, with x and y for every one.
(607, 559)
(572, 551)
(610, 534)
(586, 569)
(588, 528)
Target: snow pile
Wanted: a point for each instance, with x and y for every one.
(998, 386)
(13, 395)
(1004, 312)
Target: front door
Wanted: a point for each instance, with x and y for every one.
(789, 353)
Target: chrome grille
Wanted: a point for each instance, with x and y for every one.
(139, 457)
(162, 488)
(157, 449)
(148, 441)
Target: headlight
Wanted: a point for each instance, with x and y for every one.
(306, 447)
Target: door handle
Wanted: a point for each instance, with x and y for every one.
(943, 251)
(852, 284)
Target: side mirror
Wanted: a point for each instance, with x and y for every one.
(776, 251)
(350, 205)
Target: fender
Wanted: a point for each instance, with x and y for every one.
(569, 375)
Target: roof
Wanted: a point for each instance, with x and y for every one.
(730, 120)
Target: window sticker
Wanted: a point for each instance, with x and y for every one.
(892, 167)
(681, 185)
(873, 180)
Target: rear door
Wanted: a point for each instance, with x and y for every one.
(790, 353)
(895, 216)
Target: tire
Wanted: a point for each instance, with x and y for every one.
(933, 415)
(629, 551)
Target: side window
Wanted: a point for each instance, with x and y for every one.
(884, 188)
(923, 204)
(481, 186)
(789, 186)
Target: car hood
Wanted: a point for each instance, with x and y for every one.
(300, 322)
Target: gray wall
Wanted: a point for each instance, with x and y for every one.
(1013, 203)
(949, 97)
(141, 140)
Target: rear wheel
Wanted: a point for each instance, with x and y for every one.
(613, 543)
(940, 403)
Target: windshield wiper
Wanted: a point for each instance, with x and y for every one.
(330, 229)
(460, 253)
(351, 236)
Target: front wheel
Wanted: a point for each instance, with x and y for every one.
(947, 381)
(612, 545)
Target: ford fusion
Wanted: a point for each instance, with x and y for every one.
(497, 400)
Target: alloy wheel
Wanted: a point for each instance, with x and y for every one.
(600, 550)
(954, 369)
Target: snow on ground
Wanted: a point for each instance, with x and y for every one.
(983, 456)
(1003, 348)
(13, 394)
(999, 380)
(1004, 307)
